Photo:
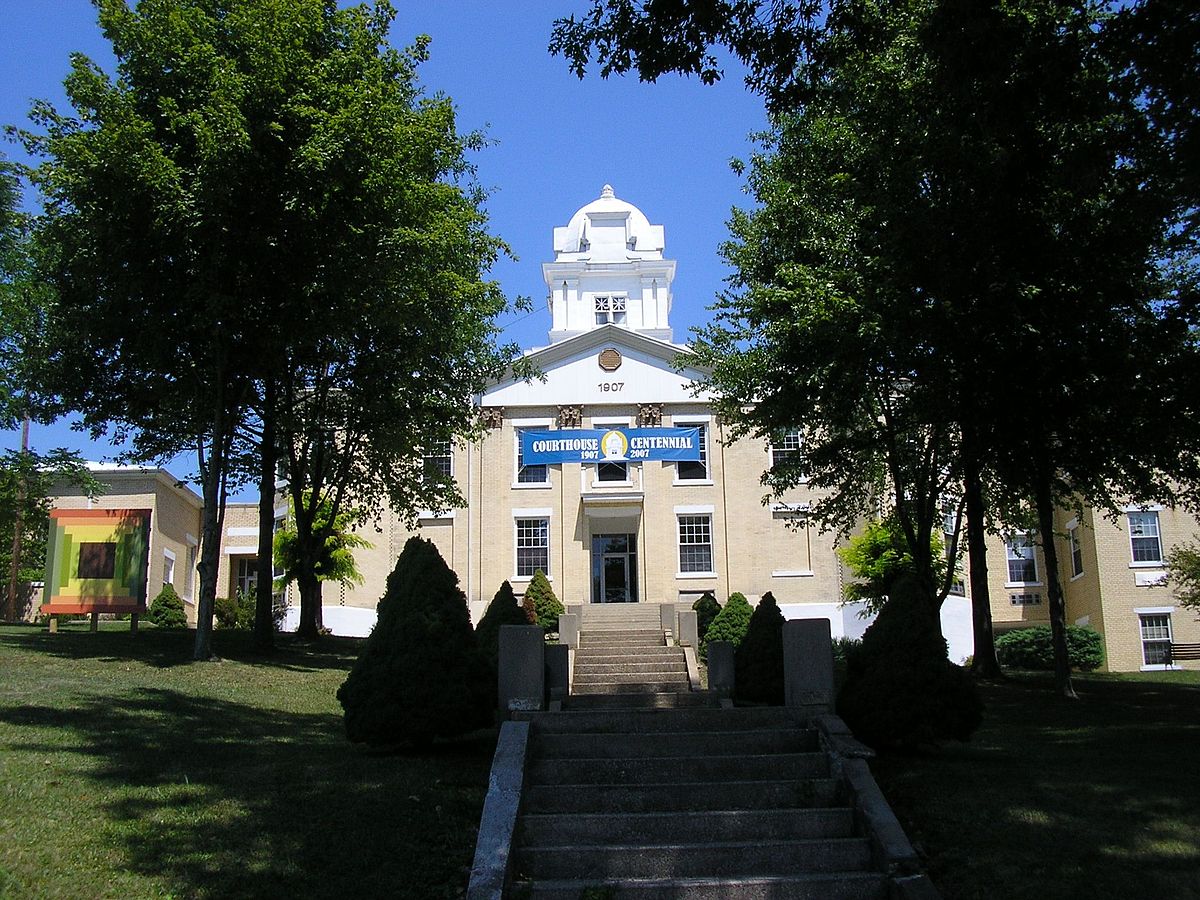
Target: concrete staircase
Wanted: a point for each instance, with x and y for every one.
(696, 803)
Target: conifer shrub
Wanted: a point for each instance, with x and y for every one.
(166, 610)
(706, 609)
(503, 610)
(730, 623)
(541, 604)
(901, 689)
(420, 674)
(758, 662)
(1033, 648)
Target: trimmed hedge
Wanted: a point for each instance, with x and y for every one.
(758, 663)
(420, 674)
(166, 610)
(901, 689)
(707, 608)
(541, 604)
(1032, 648)
(730, 623)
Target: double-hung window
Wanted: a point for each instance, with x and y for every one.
(1144, 538)
(533, 546)
(1022, 558)
(1156, 638)
(247, 574)
(439, 459)
(784, 446)
(1076, 551)
(695, 470)
(529, 474)
(695, 543)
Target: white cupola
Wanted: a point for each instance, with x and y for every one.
(609, 269)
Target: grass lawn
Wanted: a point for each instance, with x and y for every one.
(126, 770)
(1059, 799)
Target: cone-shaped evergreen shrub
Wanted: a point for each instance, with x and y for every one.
(758, 663)
(420, 674)
(730, 623)
(166, 610)
(503, 610)
(706, 609)
(900, 687)
(541, 604)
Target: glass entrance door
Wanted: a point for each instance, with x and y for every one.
(614, 568)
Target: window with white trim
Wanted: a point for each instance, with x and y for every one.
(247, 574)
(533, 546)
(1156, 638)
(610, 310)
(1022, 558)
(439, 459)
(532, 474)
(1144, 539)
(1076, 551)
(695, 544)
(168, 568)
(784, 445)
(695, 470)
(950, 510)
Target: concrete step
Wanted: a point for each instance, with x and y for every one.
(670, 827)
(632, 675)
(654, 664)
(721, 858)
(805, 886)
(669, 743)
(674, 769)
(610, 703)
(750, 718)
(661, 686)
(621, 640)
(619, 654)
(682, 797)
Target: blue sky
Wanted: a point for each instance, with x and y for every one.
(557, 140)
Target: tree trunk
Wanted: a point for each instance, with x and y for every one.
(984, 663)
(10, 613)
(1058, 610)
(264, 611)
(310, 605)
(211, 520)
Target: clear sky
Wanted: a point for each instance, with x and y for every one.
(664, 147)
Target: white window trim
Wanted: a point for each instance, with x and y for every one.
(793, 573)
(1143, 507)
(771, 456)
(1073, 526)
(1140, 611)
(518, 424)
(1028, 535)
(533, 513)
(1146, 563)
(430, 515)
(241, 551)
(251, 531)
(702, 510)
(169, 554)
(694, 421)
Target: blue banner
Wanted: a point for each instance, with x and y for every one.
(609, 445)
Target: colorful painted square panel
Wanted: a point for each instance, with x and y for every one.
(96, 560)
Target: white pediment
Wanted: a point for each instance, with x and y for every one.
(573, 374)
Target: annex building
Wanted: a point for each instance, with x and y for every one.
(613, 476)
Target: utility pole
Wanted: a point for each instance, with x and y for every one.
(18, 526)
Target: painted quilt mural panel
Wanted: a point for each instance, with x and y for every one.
(96, 560)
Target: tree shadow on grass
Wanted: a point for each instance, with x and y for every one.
(221, 799)
(1065, 799)
(164, 648)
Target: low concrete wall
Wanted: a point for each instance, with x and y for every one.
(492, 867)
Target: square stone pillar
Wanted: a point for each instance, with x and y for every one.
(568, 629)
(522, 683)
(720, 668)
(666, 617)
(689, 628)
(558, 671)
(808, 665)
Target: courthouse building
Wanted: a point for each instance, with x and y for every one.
(613, 476)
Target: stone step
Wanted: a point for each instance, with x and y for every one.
(750, 718)
(610, 703)
(685, 797)
(623, 654)
(719, 858)
(675, 769)
(660, 686)
(654, 664)
(670, 827)
(622, 640)
(669, 743)
(804, 886)
(675, 675)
